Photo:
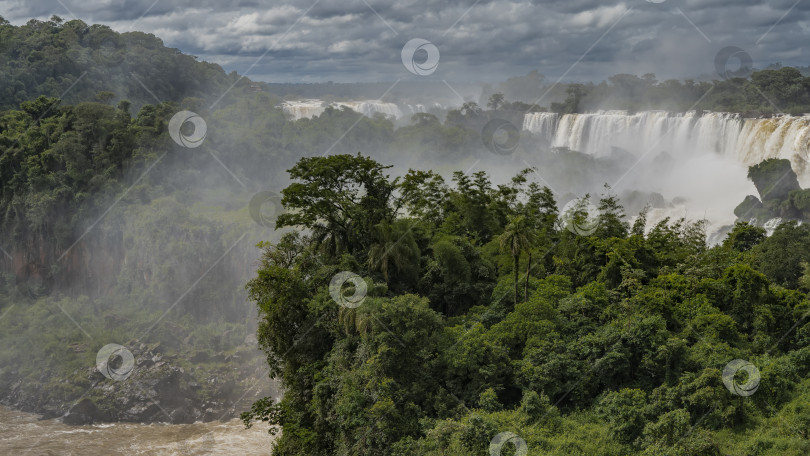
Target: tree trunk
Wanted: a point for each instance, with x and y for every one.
(526, 288)
(517, 260)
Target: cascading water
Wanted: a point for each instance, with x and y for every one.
(746, 141)
(783, 137)
(771, 225)
(370, 107)
(310, 108)
(416, 108)
(543, 124)
(709, 154)
(303, 108)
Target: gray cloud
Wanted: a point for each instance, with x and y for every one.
(492, 39)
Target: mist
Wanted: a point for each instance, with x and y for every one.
(359, 227)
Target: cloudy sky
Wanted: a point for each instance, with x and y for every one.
(484, 40)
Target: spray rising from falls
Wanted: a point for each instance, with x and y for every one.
(313, 107)
(704, 158)
(745, 141)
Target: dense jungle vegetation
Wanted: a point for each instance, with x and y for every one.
(485, 313)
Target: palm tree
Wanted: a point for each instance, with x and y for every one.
(531, 239)
(330, 238)
(395, 247)
(528, 269)
(515, 238)
(355, 320)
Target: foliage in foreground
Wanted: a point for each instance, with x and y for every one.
(612, 342)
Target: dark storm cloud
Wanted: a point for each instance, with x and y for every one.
(356, 40)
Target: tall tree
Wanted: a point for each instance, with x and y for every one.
(516, 237)
(496, 101)
(341, 198)
(610, 222)
(395, 247)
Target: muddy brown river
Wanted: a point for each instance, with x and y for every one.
(24, 434)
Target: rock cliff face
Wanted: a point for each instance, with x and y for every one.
(92, 266)
(159, 389)
(87, 268)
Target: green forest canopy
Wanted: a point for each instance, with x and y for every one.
(77, 61)
(611, 343)
(484, 313)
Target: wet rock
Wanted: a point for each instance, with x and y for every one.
(78, 347)
(200, 357)
(157, 348)
(158, 390)
(181, 416)
(85, 412)
(146, 413)
(50, 412)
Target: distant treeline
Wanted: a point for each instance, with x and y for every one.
(773, 91)
(80, 62)
(76, 61)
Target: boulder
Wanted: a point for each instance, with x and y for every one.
(84, 412)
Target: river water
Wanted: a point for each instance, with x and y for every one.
(24, 434)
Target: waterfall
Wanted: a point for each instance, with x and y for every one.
(370, 107)
(310, 108)
(746, 141)
(779, 137)
(416, 108)
(771, 225)
(543, 124)
(303, 108)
